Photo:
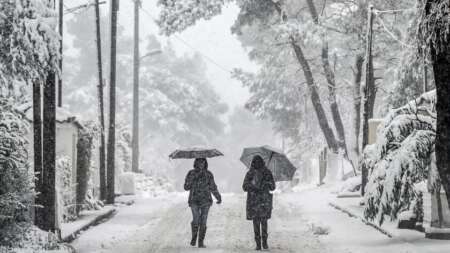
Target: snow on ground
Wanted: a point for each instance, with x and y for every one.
(163, 225)
(144, 213)
(416, 238)
(350, 235)
(302, 222)
(86, 217)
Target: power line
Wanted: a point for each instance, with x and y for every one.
(80, 8)
(180, 39)
(391, 34)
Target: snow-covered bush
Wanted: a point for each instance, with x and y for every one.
(123, 147)
(400, 158)
(153, 185)
(65, 189)
(352, 184)
(29, 238)
(16, 192)
(85, 147)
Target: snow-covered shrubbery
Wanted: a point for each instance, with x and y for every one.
(123, 148)
(66, 189)
(85, 146)
(16, 192)
(17, 233)
(352, 184)
(153, 185)
(400, 158)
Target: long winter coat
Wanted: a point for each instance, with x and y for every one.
(258, 183)
(200, 184)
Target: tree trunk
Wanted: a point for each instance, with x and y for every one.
(441, 67)
(357, 99)
(102, 169)
(112, 107)
(329, 74)
(369, 95)
(60, 29)
(315, 98)
(37, 147)
(49, 155)
(135, 134)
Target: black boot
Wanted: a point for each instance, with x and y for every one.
(264, 243)
(257, 230)
(194, 228)
(258, 243)
(201, 236)
(264, 234)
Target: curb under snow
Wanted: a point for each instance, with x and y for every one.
(358, 217)
(97, 220)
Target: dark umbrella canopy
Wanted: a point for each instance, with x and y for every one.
(192, 153)
(276, 161)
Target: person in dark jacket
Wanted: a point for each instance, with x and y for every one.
(258, 183)
(200, 184)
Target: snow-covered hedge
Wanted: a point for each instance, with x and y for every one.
(153, 185)
(16, 191)
(400, 158)
(66, 189)
(30, 239)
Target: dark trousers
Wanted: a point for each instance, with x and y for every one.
(260, 228)
(199, 215)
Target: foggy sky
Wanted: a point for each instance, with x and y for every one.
(210, 38)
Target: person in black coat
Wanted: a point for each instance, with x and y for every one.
(258, 183)
(200, 184)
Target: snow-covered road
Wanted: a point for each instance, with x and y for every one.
(162, 225)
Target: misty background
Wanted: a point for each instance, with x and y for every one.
(187, 94)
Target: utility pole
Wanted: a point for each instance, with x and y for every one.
(136, 65)
(102, 153)
(61, 21)
(112, 106)
(368, 90)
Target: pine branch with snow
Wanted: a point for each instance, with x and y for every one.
(400, 158)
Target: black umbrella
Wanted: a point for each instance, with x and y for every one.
(191, 153)
(275, 160)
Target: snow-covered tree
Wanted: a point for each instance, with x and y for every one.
(29, 44)
(177, 101)
(310, 43)
(29, 54)
(400, 158)
(434, 33)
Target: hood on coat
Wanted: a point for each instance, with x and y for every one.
(198, 162)
(257, 163)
